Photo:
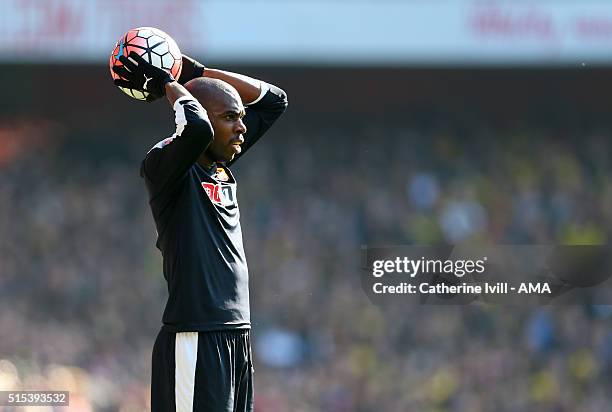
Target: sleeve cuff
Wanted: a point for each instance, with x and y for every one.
(264, 89)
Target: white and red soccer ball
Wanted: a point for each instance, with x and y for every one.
(155, 46)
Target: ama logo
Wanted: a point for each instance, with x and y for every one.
(222, 195)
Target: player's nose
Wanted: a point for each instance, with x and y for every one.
(241, 127)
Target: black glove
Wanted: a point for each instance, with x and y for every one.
(142, 76)
(191, 69)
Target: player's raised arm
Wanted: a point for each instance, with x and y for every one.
(169, 159)
(265, 102)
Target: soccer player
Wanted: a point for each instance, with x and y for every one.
(202, 355)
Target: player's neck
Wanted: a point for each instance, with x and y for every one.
(205, 162)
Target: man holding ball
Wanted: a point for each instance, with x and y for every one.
(202, 356)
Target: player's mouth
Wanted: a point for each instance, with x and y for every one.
(236, 144)
(236, 148)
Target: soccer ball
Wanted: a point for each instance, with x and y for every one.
(155, 46)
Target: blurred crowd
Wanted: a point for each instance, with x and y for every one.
(81, 289)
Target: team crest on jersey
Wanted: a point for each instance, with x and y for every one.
(221, 174)
(220, 194)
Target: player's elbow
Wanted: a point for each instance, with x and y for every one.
(281, 98)
(284, 100)
(282, 95)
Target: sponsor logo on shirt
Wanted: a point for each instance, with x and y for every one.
(222, 195)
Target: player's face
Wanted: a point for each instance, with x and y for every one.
(226, 118)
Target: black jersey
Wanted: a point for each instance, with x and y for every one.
(198, 220)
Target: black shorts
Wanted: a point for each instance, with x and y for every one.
(202, 371)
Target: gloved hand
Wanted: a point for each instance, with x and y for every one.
(142, 76)
(191, 69)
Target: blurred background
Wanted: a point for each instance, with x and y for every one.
(410, 122)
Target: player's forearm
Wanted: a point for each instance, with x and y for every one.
(174, 91)
(248, 88)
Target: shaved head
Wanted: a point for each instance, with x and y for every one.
(225, 112)
(211, 92)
